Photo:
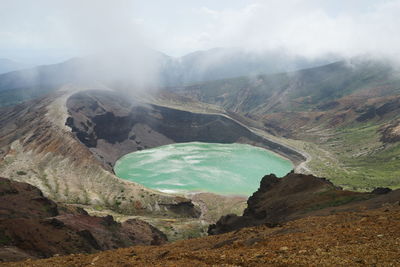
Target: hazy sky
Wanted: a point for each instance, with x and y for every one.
(44, 31)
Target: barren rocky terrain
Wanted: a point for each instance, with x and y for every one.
(344, 239)
(38, 148)
(298, 219)
(294, 196)
(33, 226)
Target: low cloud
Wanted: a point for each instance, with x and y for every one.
(310, 28)
(118, 34)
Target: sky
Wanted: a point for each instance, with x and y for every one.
(49, 31)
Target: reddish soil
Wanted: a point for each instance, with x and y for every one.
(32, 226)
(345, 239)
(279, 200)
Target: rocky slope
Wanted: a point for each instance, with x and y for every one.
(305, 90)
(351, 228)
(33, 226)
(344, 239)
(294, 196)
(37, 148)
(111, 126)
(391, 132)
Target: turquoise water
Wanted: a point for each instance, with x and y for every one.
(219, 168)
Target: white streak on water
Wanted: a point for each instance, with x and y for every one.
(220, 168)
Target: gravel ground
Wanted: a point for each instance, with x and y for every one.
(345, 239)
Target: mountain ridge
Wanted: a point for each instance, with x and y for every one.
(159, 69)
(8, 65)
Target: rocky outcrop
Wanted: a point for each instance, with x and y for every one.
(294, 196)
(390, 133)
(112, 126)
(34, 226)
(381, 190)
(185, 208)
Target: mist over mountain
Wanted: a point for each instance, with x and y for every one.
(148, 70)
(7, 65)
(221, 63)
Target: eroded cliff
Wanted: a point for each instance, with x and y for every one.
(33, 226)
(37, 148)
(112, 126)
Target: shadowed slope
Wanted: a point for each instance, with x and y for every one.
(32, 225)
(36, 147)
(112, 126)
(294, 196)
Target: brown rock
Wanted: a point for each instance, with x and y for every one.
(33, 225)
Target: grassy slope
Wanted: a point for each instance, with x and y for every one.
(300, 91)
(350, 154)
(367, 162)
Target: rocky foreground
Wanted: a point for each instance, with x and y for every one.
(346, 239)
(33, 226)
(295, 196)
(298, 219)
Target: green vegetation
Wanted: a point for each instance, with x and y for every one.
(298, 91)
(334, 81)
(4, 239)
(357, 159)
(338, 200)
(117, 203)
(98, 207)
(22, 173)
(16, 96)
(352, 157)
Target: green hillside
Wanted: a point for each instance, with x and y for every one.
(335, 113)
(297, 91)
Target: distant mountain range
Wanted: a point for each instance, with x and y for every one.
(303, 90)
(7, 65)
(18, 86)
(222, 63)
(149, 69)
